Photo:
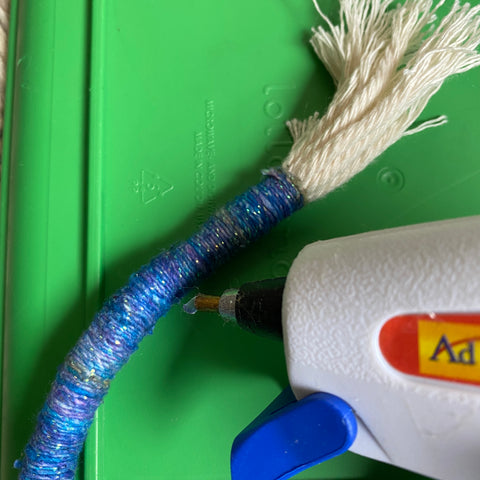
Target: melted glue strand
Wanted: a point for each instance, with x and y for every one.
(131, 313)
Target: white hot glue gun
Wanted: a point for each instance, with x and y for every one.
(387, 324)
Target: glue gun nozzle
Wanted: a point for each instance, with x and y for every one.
(255, 306)
(202, 303)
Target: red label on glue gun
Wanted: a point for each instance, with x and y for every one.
(440, 346)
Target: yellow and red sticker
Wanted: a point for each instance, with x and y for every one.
(441, 346)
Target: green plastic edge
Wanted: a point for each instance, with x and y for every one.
(10, 71)
(94, 262)
(52, 101)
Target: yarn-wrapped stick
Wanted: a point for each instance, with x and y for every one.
(387, 61)
(131, 313)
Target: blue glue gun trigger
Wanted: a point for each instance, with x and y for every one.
(290, 436)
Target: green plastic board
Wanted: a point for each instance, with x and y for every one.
(127, 123)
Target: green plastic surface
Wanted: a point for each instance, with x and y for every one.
(127, 124)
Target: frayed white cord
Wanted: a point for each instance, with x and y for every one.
(387, 62)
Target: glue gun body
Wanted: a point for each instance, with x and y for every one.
(386, 325)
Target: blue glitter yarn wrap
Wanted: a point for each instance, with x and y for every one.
(131, 313)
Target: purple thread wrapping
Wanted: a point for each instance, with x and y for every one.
(131, 313)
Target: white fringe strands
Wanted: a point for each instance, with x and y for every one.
(386, 61)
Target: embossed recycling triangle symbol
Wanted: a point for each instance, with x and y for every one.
(153, 186)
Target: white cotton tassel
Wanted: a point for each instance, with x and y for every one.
(386, 63)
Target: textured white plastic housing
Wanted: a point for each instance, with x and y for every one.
(338, 295)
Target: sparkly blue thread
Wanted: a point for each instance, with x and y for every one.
(131, 313)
